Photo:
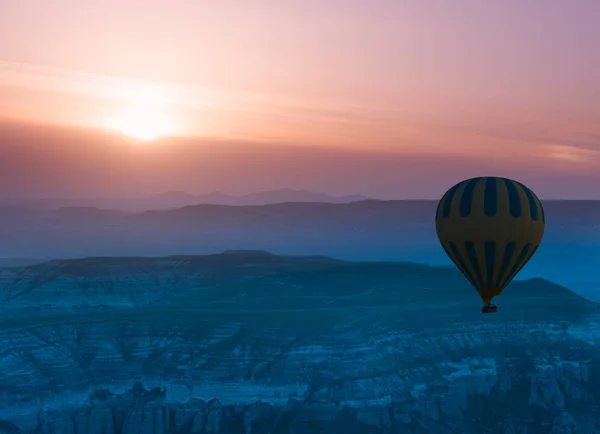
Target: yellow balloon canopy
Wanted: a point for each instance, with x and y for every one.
(490, 227)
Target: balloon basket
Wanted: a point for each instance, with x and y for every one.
(489, 308)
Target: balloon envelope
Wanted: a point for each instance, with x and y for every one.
(490, 227)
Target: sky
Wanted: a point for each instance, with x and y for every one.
(390, 98)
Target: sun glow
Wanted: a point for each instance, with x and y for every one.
(143, 117)
(142, 123)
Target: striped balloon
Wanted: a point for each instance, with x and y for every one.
(490, 227)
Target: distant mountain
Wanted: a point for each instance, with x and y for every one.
(178, 199)
(251, 342)
(368, 229)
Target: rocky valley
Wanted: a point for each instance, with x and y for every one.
(252, 343)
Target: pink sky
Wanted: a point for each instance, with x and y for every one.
(457, 88)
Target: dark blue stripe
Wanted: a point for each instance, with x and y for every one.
(518, 264)
(437, 210)
(513, 198)
(490, 198)
(543, 213)
(448, 200)
(466, 201)
(533, 212)
(508, 253)
(490, 260)
(472, 255)
(461, 263)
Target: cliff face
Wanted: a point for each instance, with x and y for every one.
(257, 344)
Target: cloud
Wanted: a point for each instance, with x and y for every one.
(254, 116)
(124, 89)
(531, 134)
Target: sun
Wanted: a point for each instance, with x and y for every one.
(142, 123)
(142, 116)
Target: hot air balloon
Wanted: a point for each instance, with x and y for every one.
(490, 227)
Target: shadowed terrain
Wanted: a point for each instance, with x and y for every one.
(251, 342)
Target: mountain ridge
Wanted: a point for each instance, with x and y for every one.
(363, 230)
(178, 199)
